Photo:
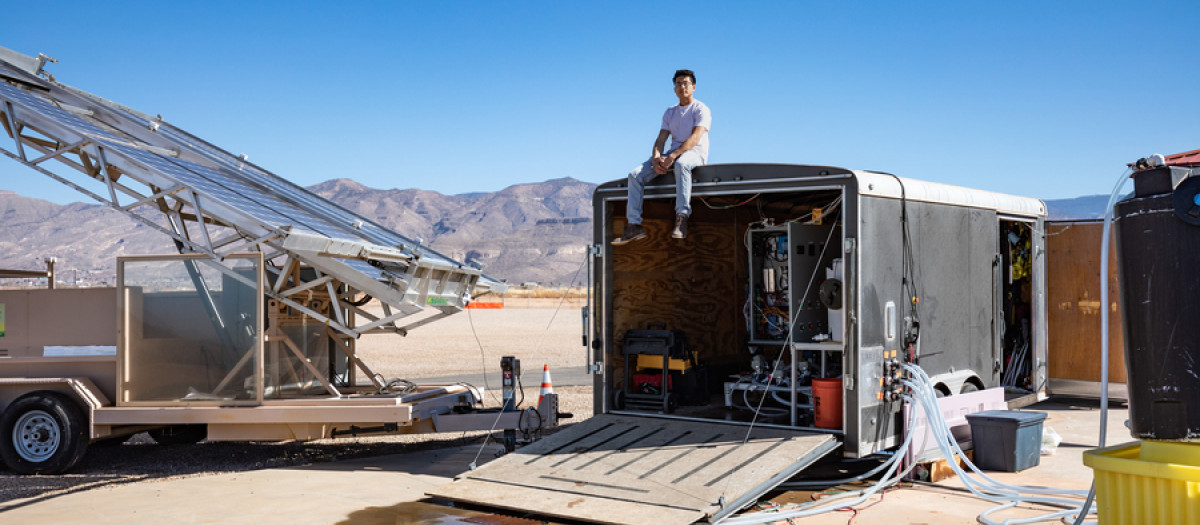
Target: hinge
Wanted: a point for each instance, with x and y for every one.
(594, 368)
(595, 250)
(849, 245)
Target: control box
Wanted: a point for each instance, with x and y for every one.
(788, 265)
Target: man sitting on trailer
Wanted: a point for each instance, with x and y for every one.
(687, 124)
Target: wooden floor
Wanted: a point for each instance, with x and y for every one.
(627, 469)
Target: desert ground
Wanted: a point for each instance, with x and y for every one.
(535, 330)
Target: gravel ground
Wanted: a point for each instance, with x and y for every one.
(535, 334)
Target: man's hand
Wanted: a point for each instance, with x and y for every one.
(662, 164)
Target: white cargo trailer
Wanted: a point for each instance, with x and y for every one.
(790, 277)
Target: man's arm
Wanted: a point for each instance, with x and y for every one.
(697, 134)
(660, 162)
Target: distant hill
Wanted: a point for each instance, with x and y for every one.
(527, 232)
(1086, 207)
(510, 231)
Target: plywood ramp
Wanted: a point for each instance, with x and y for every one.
(636, 470)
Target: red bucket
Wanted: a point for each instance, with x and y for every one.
(827, 403)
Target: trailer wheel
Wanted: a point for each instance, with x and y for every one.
(672, 402)
(618, 400)
(179, 434)
(969, 387)
(43, 433)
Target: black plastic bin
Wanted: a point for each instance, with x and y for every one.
(1158, 254)
(1006, 440)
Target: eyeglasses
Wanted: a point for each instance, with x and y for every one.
(683, 83)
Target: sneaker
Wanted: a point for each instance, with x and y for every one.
(632, 233)
(680, 231)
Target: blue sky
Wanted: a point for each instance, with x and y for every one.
(1046, 99)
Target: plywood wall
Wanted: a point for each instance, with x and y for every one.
(696, 284)
(1073, 298)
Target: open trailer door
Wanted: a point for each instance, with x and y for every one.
(634, 470)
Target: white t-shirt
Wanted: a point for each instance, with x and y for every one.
(679, 121)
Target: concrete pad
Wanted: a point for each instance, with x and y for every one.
(324, 493)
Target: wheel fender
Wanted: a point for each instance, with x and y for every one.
(85, 393)
(954, 381)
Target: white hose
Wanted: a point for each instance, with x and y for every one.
(821, 483)
(818, 507)
(1104, 301)
(990, 489)
(759, 410)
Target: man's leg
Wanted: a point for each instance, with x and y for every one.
(633, 208)
(683, 191)
(637, 190)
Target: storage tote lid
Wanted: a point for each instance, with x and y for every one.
(1020, 417)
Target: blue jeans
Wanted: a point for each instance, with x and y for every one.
(683, 185)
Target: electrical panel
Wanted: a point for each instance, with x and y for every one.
(788, 266)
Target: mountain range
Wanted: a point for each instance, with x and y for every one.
(537, 232)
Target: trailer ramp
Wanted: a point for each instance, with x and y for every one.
(637, 470)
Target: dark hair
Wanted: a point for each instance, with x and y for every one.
(684, 73)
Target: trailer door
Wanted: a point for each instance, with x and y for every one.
(945, 257)
(628, 469)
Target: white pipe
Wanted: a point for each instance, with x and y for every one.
(1104, 301)
(991, 490)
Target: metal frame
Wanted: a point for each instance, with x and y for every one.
(255, 353)
(186, 188)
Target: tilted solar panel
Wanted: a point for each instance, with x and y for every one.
(148, 164)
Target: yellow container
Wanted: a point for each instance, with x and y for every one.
(1147, 482)
(655, 361)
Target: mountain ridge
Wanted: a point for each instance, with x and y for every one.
(528, 232)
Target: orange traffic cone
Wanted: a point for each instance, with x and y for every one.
(547, 388)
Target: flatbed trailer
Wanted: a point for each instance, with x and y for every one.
(248, 333)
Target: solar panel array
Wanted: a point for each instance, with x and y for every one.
(249, 189)
(228, 188)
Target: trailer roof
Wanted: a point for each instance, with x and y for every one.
(726, 178)
(887, 185)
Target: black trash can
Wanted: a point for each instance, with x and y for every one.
(1158, 256)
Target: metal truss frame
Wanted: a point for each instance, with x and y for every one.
(133, 159)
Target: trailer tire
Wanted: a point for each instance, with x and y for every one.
(618, 400)
(969, 386)
(180, 434)
(43, 433)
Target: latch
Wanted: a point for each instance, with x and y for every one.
(584, 313)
